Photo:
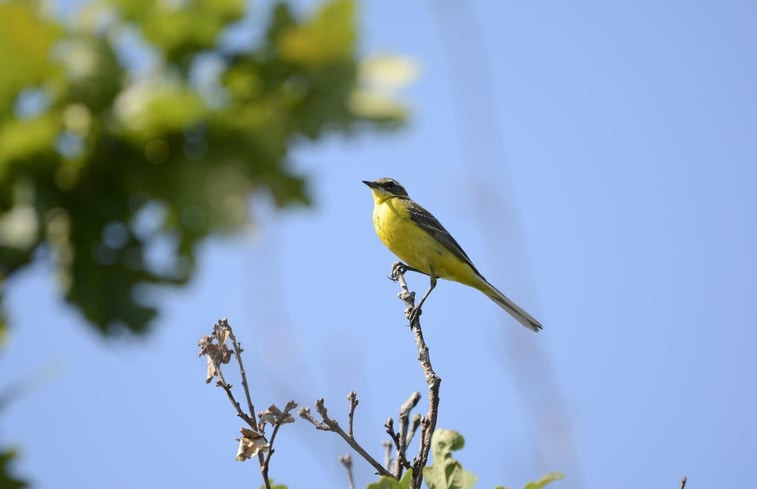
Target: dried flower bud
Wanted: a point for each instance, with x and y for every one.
(250, 444)
(273, 415)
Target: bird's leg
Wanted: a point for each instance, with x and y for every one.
(416, 312)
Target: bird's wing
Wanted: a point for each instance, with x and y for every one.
(432, 226)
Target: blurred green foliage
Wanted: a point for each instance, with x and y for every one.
(7, 481)
(102, 165)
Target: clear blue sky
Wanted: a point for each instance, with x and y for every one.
(597, 160)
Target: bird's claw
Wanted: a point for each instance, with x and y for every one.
(413, 313)
(398, 268)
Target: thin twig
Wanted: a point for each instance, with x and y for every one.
(218, 353)
(402, 437)
(227, 388)
(266, 462)
(683, 483)
(389, 426)
(428, 422)
(352, 397)
(221, 382)
(238, 353)
(347, 462)
(413, 428)
(329, 424)
(394, 468)
(387, 454)
(276, 417)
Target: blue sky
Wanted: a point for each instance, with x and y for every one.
(597, 161)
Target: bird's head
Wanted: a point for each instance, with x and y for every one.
(385, 188)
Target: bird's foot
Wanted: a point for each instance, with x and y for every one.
(398, 268)
(413, 313)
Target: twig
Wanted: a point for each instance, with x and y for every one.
(347, 462)
(253, 442)
(428, 422)
(413, 428)
(352, 397)
(683, 483)
(265, 462)
(238, 353)
(329, 424)
(387, 454)
(403, 439)
(227, 388)
(394, 468)
(216, 354)
(389, 426)
(276, 417)
(405, 434)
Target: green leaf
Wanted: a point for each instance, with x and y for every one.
(25, 138)
(446, 472)
(445, 442)
(26, 38)
(151, 109)
(7, 481)
(545, 479)
(94, 76)
(392, 483)
(182, 29)
(327, 37)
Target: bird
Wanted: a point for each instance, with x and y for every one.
(424, 245)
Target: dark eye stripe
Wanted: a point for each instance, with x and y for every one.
(392, 187)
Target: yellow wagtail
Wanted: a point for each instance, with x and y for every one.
(419, 240)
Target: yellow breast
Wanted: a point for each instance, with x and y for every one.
(416, 247)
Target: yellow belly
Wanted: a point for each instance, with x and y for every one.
(417, 248)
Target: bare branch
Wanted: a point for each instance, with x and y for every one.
(387, 454)
(227, 388)
(252, 442)
(238, 353)
(395, 468)
(218, 353)
(389, 425)
(683, 483)
(304, 413)
(329, 424)
(347, 462)
(352, 397)
(428, 422)
(273, 415)
(402, 437)
(413, 428)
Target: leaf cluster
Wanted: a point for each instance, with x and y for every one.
(117, 174)
(447, 473)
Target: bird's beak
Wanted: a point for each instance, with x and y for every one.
(370, 184)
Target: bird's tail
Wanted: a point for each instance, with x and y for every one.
(505, 303)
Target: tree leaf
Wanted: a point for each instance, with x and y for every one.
(544, 480)
(392, 483)
(445, 472)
